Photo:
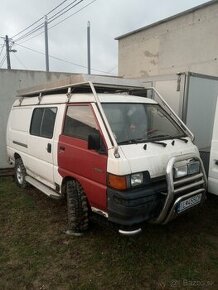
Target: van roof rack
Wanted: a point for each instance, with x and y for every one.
(81, 83)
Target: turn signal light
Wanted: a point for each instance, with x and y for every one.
(117, 182)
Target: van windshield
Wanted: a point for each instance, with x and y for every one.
(131, 122)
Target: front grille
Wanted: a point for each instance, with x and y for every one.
(189, 184)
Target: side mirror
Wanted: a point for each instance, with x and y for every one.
(94, 142)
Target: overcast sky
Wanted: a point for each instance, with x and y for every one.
(67, 40)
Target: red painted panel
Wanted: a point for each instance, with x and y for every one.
(87, 166)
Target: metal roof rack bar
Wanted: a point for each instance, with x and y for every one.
(82, 81)
(107, 126)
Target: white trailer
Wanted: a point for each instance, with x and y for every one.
(194, 97)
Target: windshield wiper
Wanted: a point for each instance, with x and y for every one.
(161, 136)
(182, 139)
(170, 137)
(142, 140)
(157, 142)
(131, 141)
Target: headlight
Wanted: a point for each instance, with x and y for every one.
(136, 179)
(191, 168)
(180, 171)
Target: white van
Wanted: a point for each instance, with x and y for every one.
(111, 149)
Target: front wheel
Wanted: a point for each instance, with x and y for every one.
(20, 173)
(77, 206)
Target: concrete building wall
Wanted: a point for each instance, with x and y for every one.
(186, 42)
(10, 82)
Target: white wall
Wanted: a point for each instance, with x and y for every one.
(10, 82)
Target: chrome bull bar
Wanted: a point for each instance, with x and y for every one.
(168, 211)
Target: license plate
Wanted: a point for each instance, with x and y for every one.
(190, 202)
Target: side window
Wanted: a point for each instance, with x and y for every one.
(36, 122)
(79, 122)
(48, 122)
(43, 120)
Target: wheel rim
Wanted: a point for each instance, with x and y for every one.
(19, 175)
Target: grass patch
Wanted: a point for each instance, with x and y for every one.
(36, 254)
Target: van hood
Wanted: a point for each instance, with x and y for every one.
(155, 157)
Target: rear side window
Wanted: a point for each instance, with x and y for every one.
(80, 122)
(43, 120)
(36, 122)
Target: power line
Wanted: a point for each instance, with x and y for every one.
(56, 7)
(40, 26)
(115, 67)
(18, 59)
(32, 37)
(60, 21)
(55, 16)
(60, 59)
(27, 27)
(72, 14)
(39, 19)
(65, 11)
(2, 61)
(51, 19)
(2, 49)
(2, 58)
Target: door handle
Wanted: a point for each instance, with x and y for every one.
(49, 147)
(216, 162)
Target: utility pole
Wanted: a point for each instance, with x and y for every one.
(7, 52)
(46, 44)
(88, 48)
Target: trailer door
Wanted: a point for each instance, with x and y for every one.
(213, 166)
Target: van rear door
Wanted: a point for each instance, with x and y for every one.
(213, 166)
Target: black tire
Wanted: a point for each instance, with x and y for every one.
(77, 206)
(20, 173)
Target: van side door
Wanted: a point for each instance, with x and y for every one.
(75, 160)
(40, 163)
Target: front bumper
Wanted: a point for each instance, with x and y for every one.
(158, 202)
(136, 205)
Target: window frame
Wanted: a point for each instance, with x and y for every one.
(41, 122)
(81, 105)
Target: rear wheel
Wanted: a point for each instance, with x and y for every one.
(77, 205)
(20, 173)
